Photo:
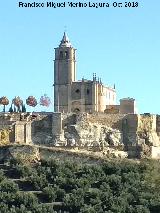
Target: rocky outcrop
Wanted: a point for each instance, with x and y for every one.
(4, 136)
(25, 153)
(146, 130)
(110, 134)
(88, 134)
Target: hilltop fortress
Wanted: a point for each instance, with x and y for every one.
(85, 116)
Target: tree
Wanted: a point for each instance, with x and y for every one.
(45, 101)
(23, 171)
(4, 208)
(2, 177)
(38, 181)
(17, 101)
(14, 109)
(60, 193)
(31, 101)
(23, 108)
(74, 201)
(11, 109)
(27, 199)
(50, 193)
(8, 186)
(87, 209)
(44, 209)
(4, 101)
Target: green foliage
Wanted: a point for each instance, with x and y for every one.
(2, 177)
(50, 193)
(15, 161)
(27, 199)
(110, 187)
(11, 109)
(43, 209)
(152, 174)
(23, 108)
(38, 181)
(8, 186)
(23, 170)
(60, 193)
(74, 201)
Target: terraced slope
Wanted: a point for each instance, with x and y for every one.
(52, 185)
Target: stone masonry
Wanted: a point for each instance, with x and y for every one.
(137, 135)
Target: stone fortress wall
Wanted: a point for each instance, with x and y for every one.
(134, 134)
(13, 130)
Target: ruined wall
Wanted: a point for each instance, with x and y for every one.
(155, 152)
(56, 123)
(158, 124)
(110, 120)
(68, 119)
(147, 129)
(15, 132)
(19, 133)
(26, 128)
(22, 132)
(85, 130)
(129, 129)
(133, 133)
(42, 129)
(6, 130)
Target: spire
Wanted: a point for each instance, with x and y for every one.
(65, 41)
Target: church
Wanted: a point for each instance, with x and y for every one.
(72, 95)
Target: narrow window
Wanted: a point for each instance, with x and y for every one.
(66, 55)
(61, 55)
(87, 91)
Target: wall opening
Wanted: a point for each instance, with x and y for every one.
(61, 55)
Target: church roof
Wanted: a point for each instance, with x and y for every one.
(65, 41)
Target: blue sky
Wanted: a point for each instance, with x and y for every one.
(122, 45)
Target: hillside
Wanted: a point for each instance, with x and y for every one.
(112, 186)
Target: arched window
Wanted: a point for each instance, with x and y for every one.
(77, 91)
(66, 55)
(88, 91)
(61, 55)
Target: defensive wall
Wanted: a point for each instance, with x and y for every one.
(133, 133)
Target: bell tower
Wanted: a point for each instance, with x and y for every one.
(64, 74)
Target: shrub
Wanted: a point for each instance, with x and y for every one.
(8, 186)
(38, 181)
(50, 194)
